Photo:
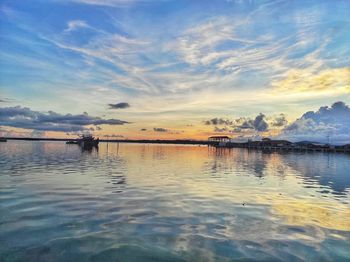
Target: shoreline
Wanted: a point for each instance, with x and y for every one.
(143, 141)
(246, 145)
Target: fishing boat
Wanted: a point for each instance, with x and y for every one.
(88, 141)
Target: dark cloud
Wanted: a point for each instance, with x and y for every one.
(23, 117)
(218, 121)
(160, 129)
(280, 121)
(122, 105)
(164, 130)
(242, 124)
(260, 124)
(328, 123)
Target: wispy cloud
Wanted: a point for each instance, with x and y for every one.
(75, 24)
(198, 45)
(108, 3)
(336, 80)
(5, 100)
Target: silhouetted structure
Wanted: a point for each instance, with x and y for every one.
(85, 141)
(219, 140)
(268, 144)
(88, 141)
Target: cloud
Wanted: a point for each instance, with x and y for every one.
(221, 130)
(110, 3)
(76, 24)
(164, 130)
(335, 80)
(260, 124)
(280, 121)
(5, 100)
(122, 105)
(160, 129)
(224, 45)
(243, 123)
(218, 121)
(24, 117)
(200, 43)
(328, 123)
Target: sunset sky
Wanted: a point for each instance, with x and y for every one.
(175, 69)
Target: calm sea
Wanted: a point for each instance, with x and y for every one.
(141, 202)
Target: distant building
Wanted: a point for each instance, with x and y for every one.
(221, 140)
(275, 143)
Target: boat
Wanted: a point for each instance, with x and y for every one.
(88, 141)
(3, 139)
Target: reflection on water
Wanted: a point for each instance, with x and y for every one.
(168, 202)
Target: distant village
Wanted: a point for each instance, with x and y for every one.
(282, 145)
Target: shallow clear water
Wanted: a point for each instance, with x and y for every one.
(139, 202)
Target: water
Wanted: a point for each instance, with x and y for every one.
(139, 202)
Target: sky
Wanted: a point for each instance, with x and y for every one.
(176, 69)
